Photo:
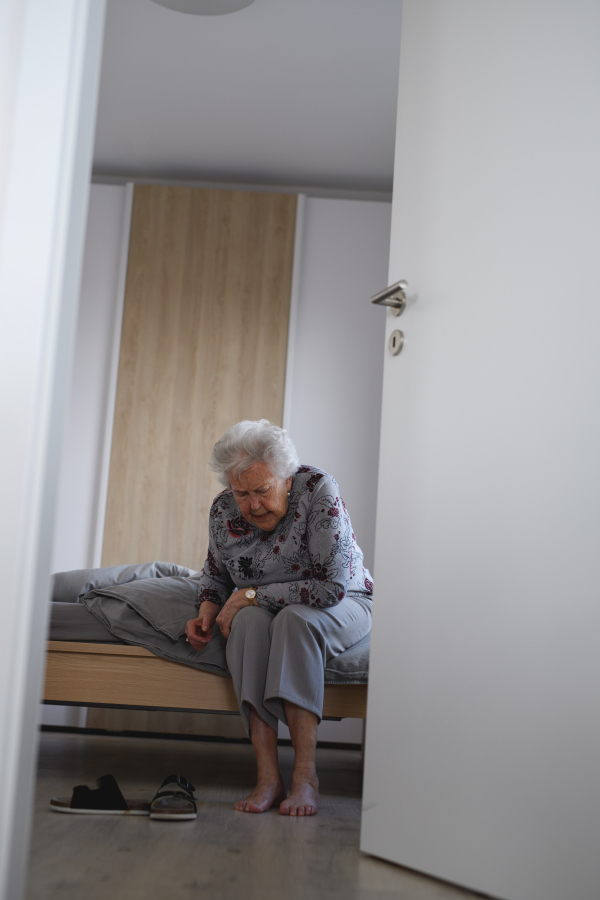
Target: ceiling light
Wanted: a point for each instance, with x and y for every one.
(205, 7)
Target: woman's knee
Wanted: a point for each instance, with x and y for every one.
(250, 618)
(291, 618)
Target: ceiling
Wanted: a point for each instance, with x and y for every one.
(285, 92)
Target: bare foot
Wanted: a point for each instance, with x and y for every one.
(304, 799)
(263, 797)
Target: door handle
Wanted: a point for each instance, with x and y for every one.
(393, 296)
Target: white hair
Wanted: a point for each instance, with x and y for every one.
(248, 442)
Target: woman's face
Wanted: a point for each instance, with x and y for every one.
(261, 496)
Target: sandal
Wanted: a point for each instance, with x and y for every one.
(174, 800)
(107, 800)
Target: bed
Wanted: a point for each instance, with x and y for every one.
(89, 666)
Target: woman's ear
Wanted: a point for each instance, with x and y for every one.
(288, 483)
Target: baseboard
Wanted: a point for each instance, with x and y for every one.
(207, 738)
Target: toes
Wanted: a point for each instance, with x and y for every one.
(246, 806)
(291, 809)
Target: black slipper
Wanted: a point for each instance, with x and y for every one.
(107, 800)
(174, 800)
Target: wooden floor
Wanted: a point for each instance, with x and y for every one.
(222, 855)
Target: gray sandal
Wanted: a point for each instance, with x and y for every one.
(174, 800)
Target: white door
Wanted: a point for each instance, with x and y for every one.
(483, 738)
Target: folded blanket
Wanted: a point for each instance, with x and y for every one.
(70, 587)
(153, 614)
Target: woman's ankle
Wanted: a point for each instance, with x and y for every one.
(305, 772)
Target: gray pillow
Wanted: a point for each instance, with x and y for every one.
(70, 587)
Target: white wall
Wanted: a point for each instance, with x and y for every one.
(338, 360)
(81, 466)
(335, 397)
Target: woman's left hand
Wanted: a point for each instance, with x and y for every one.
(236, 602)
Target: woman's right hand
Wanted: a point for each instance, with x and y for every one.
(199, 631)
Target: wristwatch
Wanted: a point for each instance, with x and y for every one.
(250, 596)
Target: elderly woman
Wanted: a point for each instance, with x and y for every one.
(285, 583)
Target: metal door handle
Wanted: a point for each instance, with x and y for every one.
(393, 296)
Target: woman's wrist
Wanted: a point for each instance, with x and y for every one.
(207, 606)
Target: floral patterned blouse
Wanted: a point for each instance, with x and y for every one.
(310, 557)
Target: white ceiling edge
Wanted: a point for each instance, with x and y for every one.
(283, 92)
(309, 191)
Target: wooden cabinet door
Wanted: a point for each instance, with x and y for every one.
(204, 344)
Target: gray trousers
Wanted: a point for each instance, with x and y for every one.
(280, 656)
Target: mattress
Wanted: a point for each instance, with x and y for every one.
(74, 622)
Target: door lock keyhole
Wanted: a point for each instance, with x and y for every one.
(396, 342)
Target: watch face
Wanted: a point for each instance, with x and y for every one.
(251, 594)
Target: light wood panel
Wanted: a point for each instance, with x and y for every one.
(131, 676)
(204, 344)
(140, 678)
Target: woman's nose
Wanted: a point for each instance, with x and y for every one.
(255, 502)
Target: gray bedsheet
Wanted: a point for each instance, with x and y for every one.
(152, 613)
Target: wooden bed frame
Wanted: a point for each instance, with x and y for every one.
(83, 674)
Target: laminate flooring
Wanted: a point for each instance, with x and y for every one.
(223, 854)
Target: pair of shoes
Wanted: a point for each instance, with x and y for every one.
(174, 800)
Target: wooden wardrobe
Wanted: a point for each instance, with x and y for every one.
(204, 344)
